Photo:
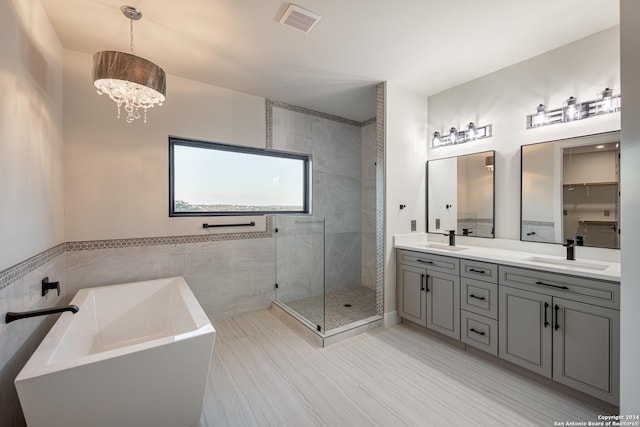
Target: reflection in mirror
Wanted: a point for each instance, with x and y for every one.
(570, 191)
(460, 195)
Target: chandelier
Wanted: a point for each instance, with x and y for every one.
(130, 81)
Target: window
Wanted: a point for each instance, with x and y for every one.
(207, 178)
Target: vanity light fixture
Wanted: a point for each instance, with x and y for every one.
(129, 80)
(605, 103)
(455, 136)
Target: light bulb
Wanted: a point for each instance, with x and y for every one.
(453, 135)
(605, 105)
(436, 142)
(572, 110)
(472, 131)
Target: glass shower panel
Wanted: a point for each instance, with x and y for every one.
(300, 267)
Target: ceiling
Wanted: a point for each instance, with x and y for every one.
(425, 45)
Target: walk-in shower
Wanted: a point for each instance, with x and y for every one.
(301, 273)
(329, 265)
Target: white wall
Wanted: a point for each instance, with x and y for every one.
(116, 174)
(599, 166)
(31, 162)
(630, 205)
(31, 171)
(504, 98)
(405, 155)
(443, 191)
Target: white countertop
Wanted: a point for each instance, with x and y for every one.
(536, 259)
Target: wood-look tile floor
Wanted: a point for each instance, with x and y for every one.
(264, 374)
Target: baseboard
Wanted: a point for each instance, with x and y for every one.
(390, 319)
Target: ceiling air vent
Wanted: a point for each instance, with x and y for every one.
(299, 18)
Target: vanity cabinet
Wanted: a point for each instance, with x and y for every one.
(563, 327)
(429, 291)
(479, 305)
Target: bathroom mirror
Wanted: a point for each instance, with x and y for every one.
(570, 190)
(460, 194)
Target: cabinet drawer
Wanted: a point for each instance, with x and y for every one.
(479, 297)
(443, 264)
(590, 291)
(479, 270)
(479, 331)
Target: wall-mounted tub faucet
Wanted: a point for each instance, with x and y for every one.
(452, 237)
(12, 315)
(571, 254)
(47, 286)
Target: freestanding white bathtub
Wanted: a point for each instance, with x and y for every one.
(136, 354)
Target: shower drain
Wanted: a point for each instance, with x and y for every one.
(347, 305)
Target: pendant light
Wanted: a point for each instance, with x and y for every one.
(130, 81)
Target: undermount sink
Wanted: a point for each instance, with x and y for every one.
(442, 247)
(567, 263)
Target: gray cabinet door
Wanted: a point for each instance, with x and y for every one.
(585, 348)
(412, 293)
(525, 329)
(443, 303)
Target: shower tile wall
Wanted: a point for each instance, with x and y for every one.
(336, 151)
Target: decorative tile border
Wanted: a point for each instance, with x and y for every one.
(380, 192)
(19, 270)
(538, 223)
(283, 105)
(371, 121)
(170, 240)
(477, 220)
(269, 119)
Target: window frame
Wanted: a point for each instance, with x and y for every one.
(266, 152)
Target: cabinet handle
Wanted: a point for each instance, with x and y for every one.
(422, 283)
(476, 297)
(546, 307)
(427, 283)
(473, 270)
(477, 332)
(552, 286)
(425, 262)
(556, 308)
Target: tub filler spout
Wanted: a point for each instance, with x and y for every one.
(12, 315)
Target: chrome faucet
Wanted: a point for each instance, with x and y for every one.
(12, 315)
(452, 237)
(571, 253)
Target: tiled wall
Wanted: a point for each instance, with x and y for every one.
(336, 152)
(20, 290)
(227, 276)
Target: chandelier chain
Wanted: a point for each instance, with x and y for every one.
(131, 38)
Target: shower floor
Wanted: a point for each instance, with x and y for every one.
(362, 303)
